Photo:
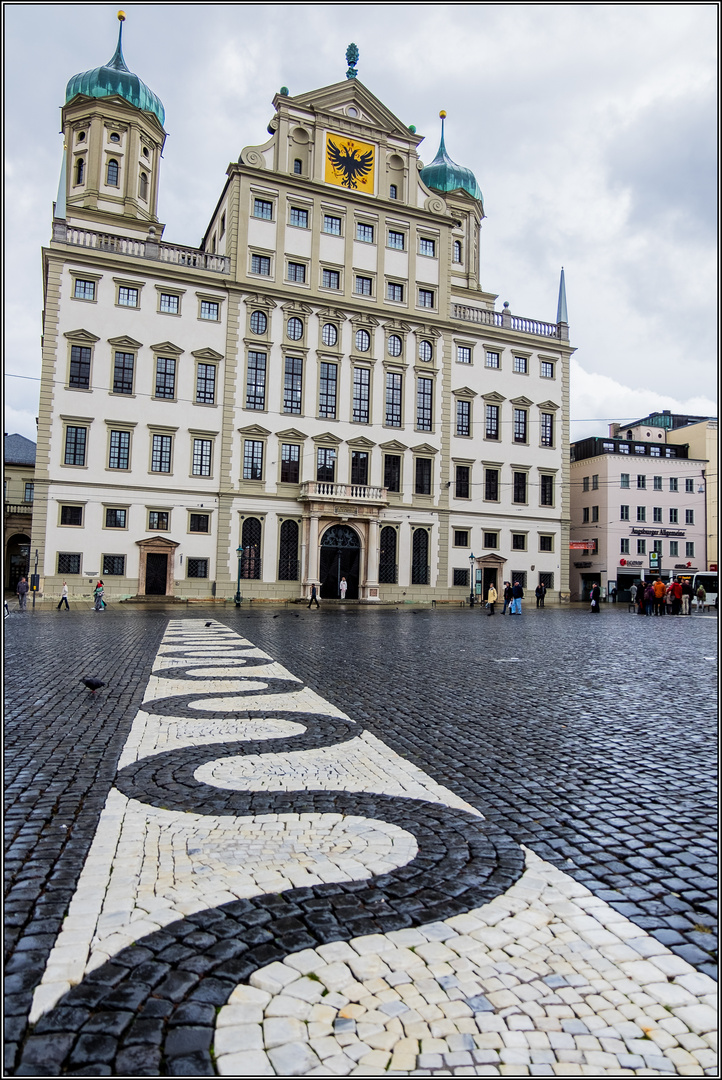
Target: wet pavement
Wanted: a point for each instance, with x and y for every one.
(355, 841)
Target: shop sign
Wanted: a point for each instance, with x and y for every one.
(658, 532)
(579, 545)
(582, 565)
(631, 562)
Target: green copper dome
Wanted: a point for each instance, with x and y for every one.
(443, 174)
(114, 78)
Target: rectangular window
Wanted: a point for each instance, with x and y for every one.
(689, 517)
(71, 515)
(585, 484)
(169, 303)
(127, 297)
(79, 367)
(519, 487)
(393, 399)
(462, 486)
(299, 217)
(641, 513)
(424, 401)
(657, 513)
(670, 451)
(673, 483)
(363, 286)
(165, 377)
(29, 491)
(256, 381)
(68, 563)
(160, 455)
(520, 365)
(624, 480)
(674, 548)
(361, 390)
(641, 482)
(206, 384)
(623, 448)
(518, 541)
(252, 459)
(364, 232)
(119, 457)
(641, 547)
(520, 576)
(461, 538)
(75, 440)
(392, 472)
(585, 514)
(393, 191)
(157, 520)
(674, 517)
(84, 290)
(461, 576)
(327, 391)
(123, 373)
(492, 421)
(639, 449)
(463, 418)
(595, 482)
(222, 229)
(115, 519)
(657, 483)
(297, 272)
(546, 543)
(491, 485)
(520, 416)
(595, 513)
(624, 546)
(546, 490)
(359, 467)
(210, 310)
(427, 247)
(290, 463)
(396, 240)
(332, 225)
(547, 429)
(463, 354)
(689, 550)
(263, 209)
(325, 465)
(688, 485)
(492, 359)
(624, 513)
(546, 578)
(426, 298)
(657, 546)
(331, 279)
(197, 568)
(292, 385)
(199, 523)
(261, 264)
(423, 476)
(394, 291)
(113, 565)
(655, 451)
(491, 540)
(547, 370)
(202, 449)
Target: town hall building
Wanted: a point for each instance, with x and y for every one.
(324, 389)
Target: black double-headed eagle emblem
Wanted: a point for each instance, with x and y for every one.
(350, 163)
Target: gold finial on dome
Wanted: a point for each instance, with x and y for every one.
(442, 114)
(121, 16)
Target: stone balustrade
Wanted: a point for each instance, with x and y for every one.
(352, 493)
(141, 249)
(505, 320)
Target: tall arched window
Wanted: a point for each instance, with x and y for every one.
(288, 552)
(251, 544)
(388, 570)
(80, 171)
(113, 172)
(457, 251)
(420, 558)
(143, 186)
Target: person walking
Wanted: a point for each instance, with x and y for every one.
(98, 594)
(614, 594)
(677, 595)
(633, 595)
(491, 599)
(701, 598)
(343, 586)
(64, 597)
(539, 593)
(314, 597)
(595, 597)
(649, 599)
(508, 597)
(22, 591)
(659, 591)
(686, 597)
(517, 594)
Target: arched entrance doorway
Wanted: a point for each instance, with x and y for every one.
(17, 555)
(340, 557)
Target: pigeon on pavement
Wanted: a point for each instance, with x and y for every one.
(93, 684)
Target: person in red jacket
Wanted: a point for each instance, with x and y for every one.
(676, 596)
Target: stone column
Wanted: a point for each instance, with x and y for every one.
(372, 560)
(313, 550)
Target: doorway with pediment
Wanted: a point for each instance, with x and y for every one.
(156, 576)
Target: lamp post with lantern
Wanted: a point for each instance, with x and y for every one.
(238, 597)
(471, 580)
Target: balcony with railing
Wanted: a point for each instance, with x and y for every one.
(321, 490)
(18, 508)
(131, 246)
(505, 320)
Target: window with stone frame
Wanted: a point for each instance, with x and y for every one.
(462, 485)
(160, 460)
(491, 485)
(79, 378)
(361, 394)
(293, 385)
(423, 476)
(75, 443)
(115, 517)
(492, 421)
(420, 557)
(290, 463)
(202, 454)
(199, 523)
(326, 465)
(394, 383)
(123, 373)
(197, 568)
(288, 564)
(113, 565)
(463, 417)
(388, 568)
(256, 380)
(424, 404)
(520, 484)
(251, 549)
(119, 452)
(71, 515)
(68, 562)
(253, 459)
(165, 370)
(327, 390)
(392, 472)
(461, 576)
(206, 384)
(546, 490)
(359, 467)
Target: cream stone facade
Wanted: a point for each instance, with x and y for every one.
(323, 390)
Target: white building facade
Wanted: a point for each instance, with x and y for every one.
(323, 390)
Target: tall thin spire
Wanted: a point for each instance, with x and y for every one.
(117, 60)
(562, 305)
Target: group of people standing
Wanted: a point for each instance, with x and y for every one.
(512, 596)
(674, 598)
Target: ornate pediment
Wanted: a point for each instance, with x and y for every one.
(490, 560)
(156, 542)
(360, 443)
(363, 320)
(83, 336)
(254, 429)
(550, 405)
(259, 301)
(334, 100)
(522, 402)
(207, 354)
(398, 325)
(124, 342)
(332, 313)
(427, 331)
(464, 392)
(296, 307)
(291, 433)
(327, 439)
(425, 448)
(167, 347)
(394, 445)
(493, 398)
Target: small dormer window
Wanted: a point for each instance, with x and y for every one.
(393, 191)
(113, 172)
(297, 167)
(143, 186)
(80, 171)
(114, 136)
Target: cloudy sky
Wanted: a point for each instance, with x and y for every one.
(591, 129)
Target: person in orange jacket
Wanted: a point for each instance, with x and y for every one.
(659, 591)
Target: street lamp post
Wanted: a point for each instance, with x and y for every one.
(471, 579)
(238, 597)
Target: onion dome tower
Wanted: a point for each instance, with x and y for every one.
(114, 136)
(445, 175)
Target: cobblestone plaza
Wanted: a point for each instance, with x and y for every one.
(356, 841)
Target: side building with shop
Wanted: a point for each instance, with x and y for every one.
(322, 389)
